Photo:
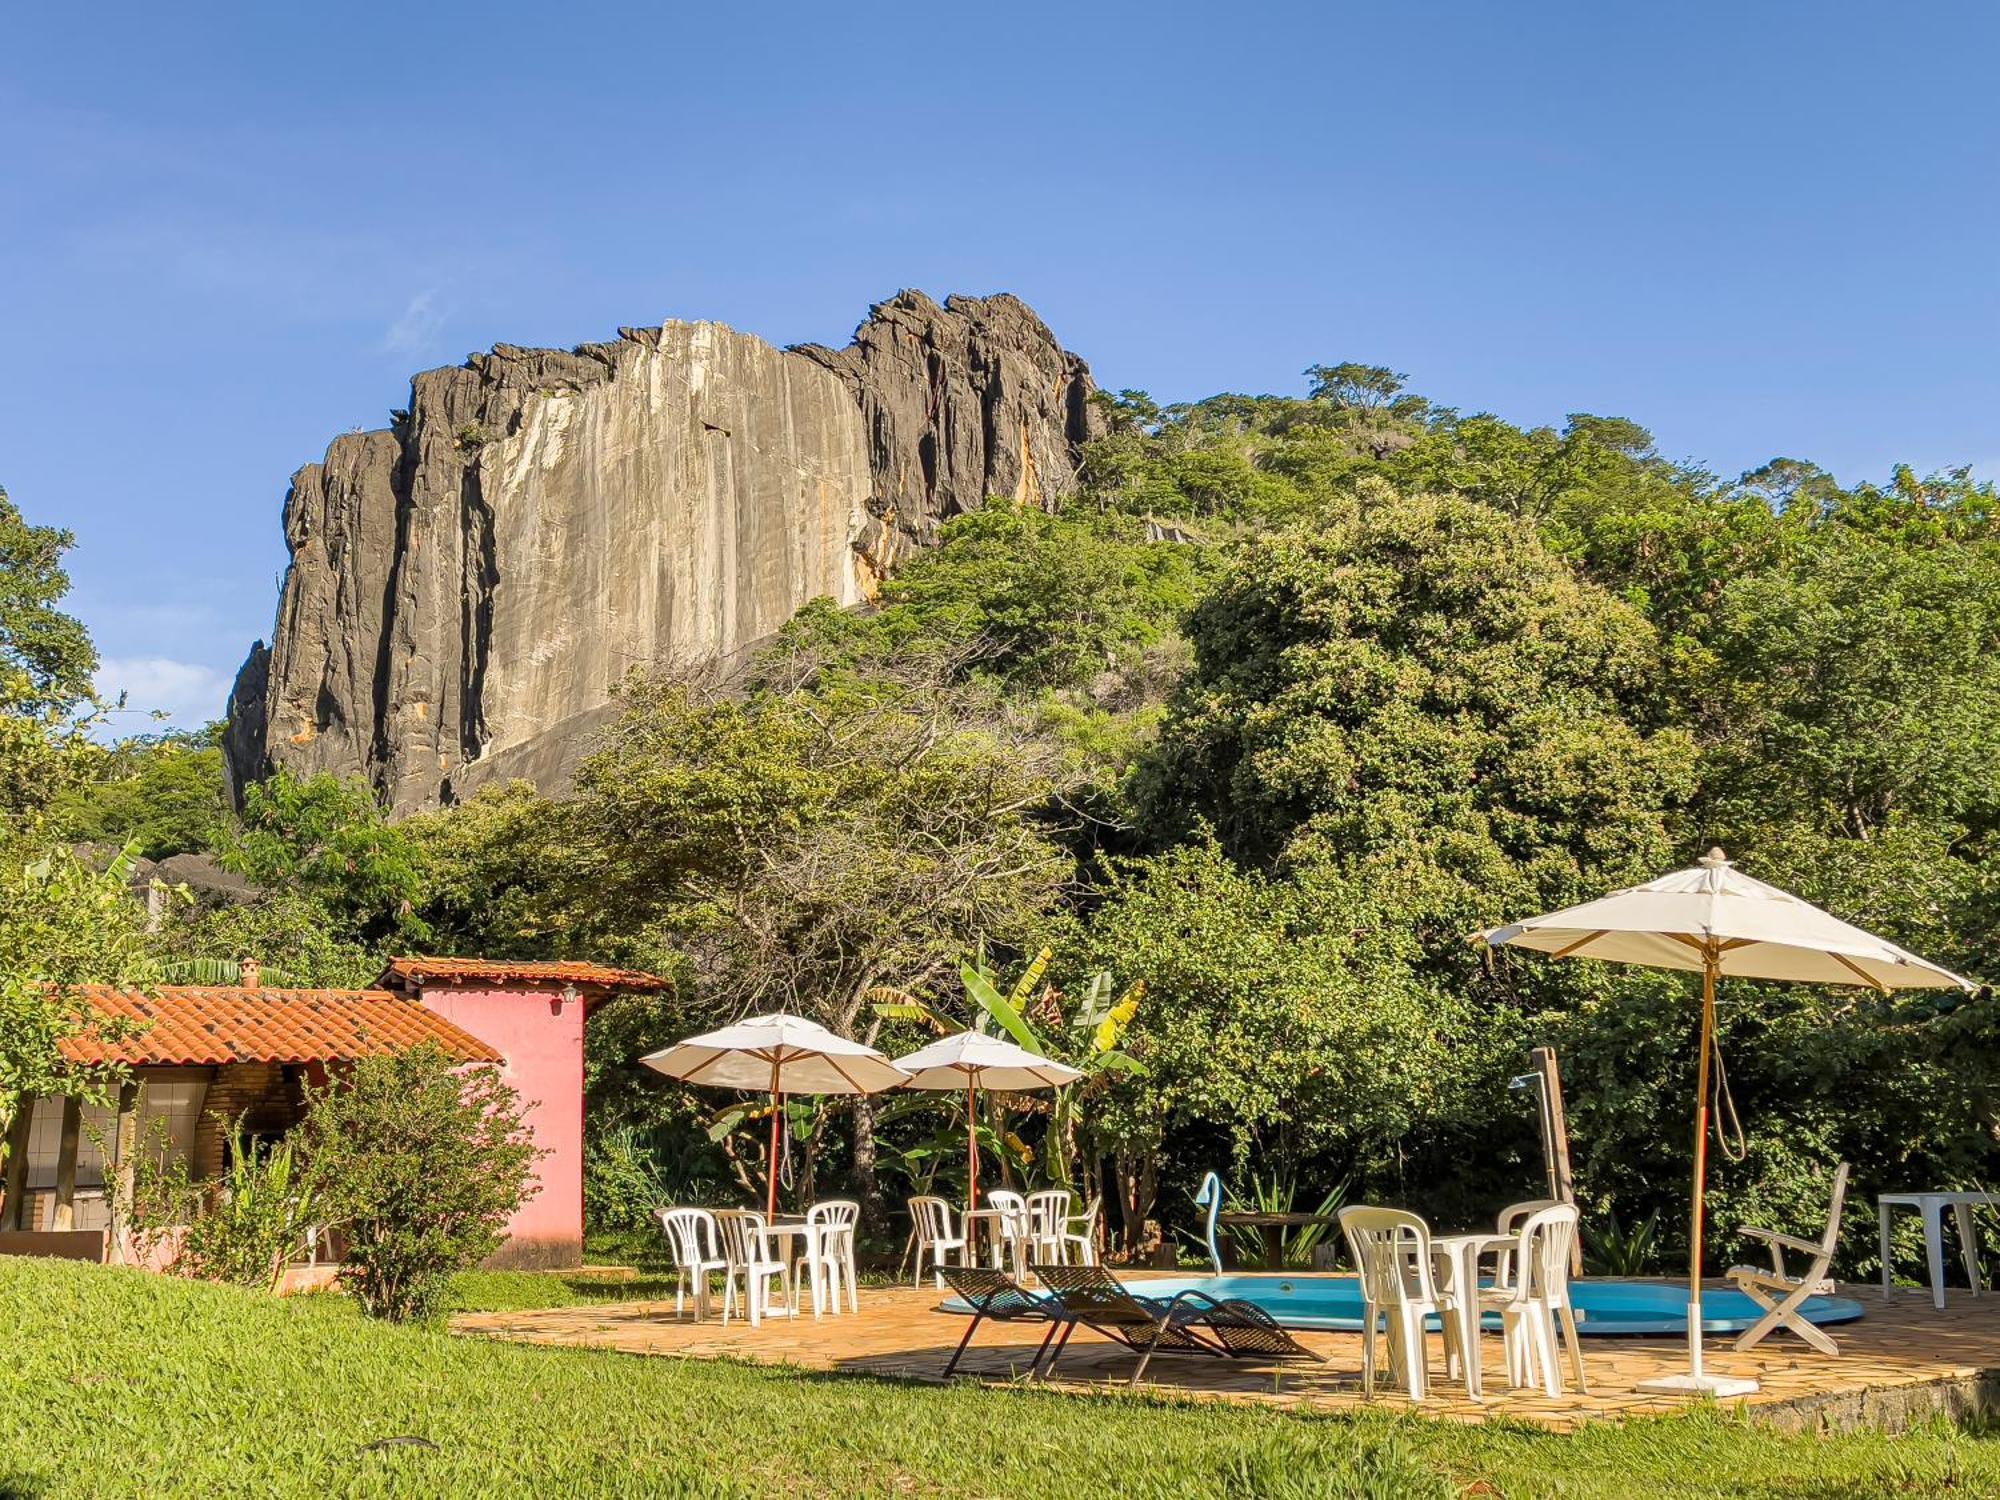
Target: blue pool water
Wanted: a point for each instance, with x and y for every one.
(1602, 1307)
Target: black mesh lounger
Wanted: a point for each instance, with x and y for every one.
(996, 1295)
(1189, 1322)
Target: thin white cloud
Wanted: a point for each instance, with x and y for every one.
(187, 693)
(416, 331)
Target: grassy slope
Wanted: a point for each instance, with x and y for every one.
(116, 1383)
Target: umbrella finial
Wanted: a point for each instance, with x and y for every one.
(1715, 858)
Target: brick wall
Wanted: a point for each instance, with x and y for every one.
(267, 1095)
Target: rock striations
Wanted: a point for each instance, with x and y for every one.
(467, 588)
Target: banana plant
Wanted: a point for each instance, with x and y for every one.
(805, 1119)
(1087, 1035)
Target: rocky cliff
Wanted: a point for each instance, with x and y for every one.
(467, 588)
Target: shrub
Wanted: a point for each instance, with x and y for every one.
(622, 1181)
(242, 1230)
(419, 1163)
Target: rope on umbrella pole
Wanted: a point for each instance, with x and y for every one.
(1730, 1139)
(784, 1164)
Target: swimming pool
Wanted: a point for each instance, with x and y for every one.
(1333, 1303)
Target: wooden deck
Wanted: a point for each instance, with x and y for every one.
(1903, 1361)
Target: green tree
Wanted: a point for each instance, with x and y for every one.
(507, 874)
(826, 834)
(45, 650)
(161, 793)
(330, 841)
(1284, 1026)
(62, 923)
(1422, 691)
(293, 936)
(1354, 385)
(1856, 685)
(1047, 600)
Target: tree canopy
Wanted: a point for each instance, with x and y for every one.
(1293, 694)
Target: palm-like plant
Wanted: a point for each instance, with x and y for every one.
(1086, 1036)
(224, 973)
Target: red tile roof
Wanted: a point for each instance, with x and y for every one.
(504, 971)
(188, 1025)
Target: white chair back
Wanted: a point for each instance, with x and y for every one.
(1048, 1213)
(745, 1241)
(832, 1222)
(692, 1237)
(1543, 1250)
(1013, 1209)
(932, 1217)
(833, 1214)
(1392, 1252)
(1830, 1241)
(1508, 1220)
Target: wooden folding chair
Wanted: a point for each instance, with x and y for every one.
(1782, 1294)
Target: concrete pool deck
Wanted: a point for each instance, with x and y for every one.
(1903, 1362)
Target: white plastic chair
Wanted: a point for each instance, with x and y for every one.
(930, 1222)
(1780, 1293)
(1508, 1221)
(1080, 1230)
(1533, 1294)
(1014, 1229)
(693, 1240)
(746, 1245)
(1048, 1225)
(828, 1257)
(1392, 1251)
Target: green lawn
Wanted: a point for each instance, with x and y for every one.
(509, 1291)
(118, 1383)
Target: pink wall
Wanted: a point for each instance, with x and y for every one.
(541, 1038)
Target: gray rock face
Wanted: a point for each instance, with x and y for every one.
(467, 588)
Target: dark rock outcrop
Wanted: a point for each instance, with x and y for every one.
(962, 402)
(468, 587)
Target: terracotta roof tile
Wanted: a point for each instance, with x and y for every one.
(501, 970)
(199, 1024)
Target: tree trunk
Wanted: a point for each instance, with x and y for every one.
(120, 1181)
(867, 1184)
(1138, 1184)
(66, 1147)
(14, 1207)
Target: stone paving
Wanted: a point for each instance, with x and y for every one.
(1903, 1360)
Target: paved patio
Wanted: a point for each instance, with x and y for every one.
(1904, 1360)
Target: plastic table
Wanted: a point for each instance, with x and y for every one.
(1932, 1206)
(1461, 1253)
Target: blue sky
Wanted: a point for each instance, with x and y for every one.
(229, 233)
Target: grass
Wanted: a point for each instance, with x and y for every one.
(510, 1291)
(116, 1383)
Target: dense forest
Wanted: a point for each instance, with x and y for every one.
(1292, 697)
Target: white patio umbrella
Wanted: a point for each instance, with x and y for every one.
(1721, 923)
(779, 1055)
(972, 1060)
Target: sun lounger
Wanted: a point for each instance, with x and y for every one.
(1189, 1322)
(993, 1294)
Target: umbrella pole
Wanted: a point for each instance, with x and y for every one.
(1697, 1381)
(1700, 1164)
(777, 1112)
(971, 1142)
